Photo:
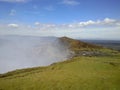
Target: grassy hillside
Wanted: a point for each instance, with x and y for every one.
(80, 48)
(77, 73)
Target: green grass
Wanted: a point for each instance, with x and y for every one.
(79, 73)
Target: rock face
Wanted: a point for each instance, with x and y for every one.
(80, 48)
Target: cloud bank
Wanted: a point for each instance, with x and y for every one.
(88, 29)
(13, 25)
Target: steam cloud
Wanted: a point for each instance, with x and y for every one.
(18, 52)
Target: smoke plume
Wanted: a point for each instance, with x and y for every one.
(18, 52)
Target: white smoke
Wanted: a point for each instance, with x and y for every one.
(18, 52)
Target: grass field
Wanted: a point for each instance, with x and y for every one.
(79, 73)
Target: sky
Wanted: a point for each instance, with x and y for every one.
(85, 19)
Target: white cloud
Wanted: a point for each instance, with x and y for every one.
(109, 21)
(12, 12)
(12, 1)
(37, 23)
(87, 23)
(70, 2)
(71, 26)
(13, 25)
(104, 22)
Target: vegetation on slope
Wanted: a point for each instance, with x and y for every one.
(77, 73)
(80, 48)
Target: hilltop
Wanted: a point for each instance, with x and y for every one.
(98, 71)
(80, 48)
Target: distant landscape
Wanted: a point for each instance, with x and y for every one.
(114, 44)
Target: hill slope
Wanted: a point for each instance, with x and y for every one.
(80, 48)
(78, 73)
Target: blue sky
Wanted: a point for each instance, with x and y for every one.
(74, 18)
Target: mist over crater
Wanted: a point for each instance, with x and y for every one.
(18, 52)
